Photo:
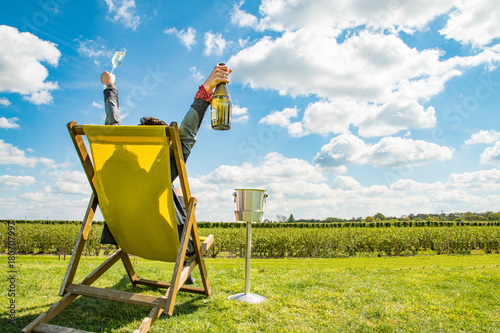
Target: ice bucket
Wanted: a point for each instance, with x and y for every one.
(249, 204)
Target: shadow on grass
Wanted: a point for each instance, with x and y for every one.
(97, 315)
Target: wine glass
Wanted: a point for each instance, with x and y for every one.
(117, 60)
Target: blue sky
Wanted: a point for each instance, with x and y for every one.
(341, 108)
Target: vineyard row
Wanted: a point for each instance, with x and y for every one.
(276, 242)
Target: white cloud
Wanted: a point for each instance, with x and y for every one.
(283, 119)
(336, 116)
(196, 74)
(188, 38)
(280, 118)
(454, 196)
(4, 101)
(392, 152)
(483, 180)
(275, 167)
(242, 18)
(10, 154)
(342, 150)
(346, 183)
(243, 42)
(49, 163)
(483, 136)
(69, 182)
(124, 11)
(362, 76)
(294, 187)
(410, 185)
(214, 43)
(239, 114)
(39, 97)
(33, 196)
(367, 66)
(42, 205)
(66, 198)
(21, 56)
(491, 155)
(474, 22)
(393, 15)
(399, 152)
(98, 105)
(16, 181)
(393, 117)
(9, 123)
(297, 187)
(276, 173)
(94, 49)
(325, 117)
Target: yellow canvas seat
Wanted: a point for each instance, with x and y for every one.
(129, 174)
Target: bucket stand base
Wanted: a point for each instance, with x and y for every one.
(248, 298)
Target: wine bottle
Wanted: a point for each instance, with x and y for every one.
(221, 107)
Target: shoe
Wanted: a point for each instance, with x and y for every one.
(190, 280)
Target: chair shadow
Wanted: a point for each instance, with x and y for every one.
(98, 315)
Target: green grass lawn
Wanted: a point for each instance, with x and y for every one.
(394, 294)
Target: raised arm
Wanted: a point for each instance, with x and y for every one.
(111, 103)
(193, 118)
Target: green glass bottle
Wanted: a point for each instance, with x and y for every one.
(221, 107)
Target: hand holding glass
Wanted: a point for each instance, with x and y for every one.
(117, 60)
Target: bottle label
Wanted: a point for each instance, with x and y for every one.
(214, 114)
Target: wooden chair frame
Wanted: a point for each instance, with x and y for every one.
(70, 290)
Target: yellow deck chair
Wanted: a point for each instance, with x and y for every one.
(129, 174)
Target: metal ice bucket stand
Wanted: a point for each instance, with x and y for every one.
(249, 204)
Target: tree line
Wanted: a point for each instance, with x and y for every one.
(458, 216)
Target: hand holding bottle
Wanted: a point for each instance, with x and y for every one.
(219, 74)
(221, 100)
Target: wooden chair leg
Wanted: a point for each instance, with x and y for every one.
(201, 260)
(68, 297)
(149, 320)
(130, 270)
(80, 244)
(171, 293)
(53, 311)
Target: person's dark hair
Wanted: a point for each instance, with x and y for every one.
(151, 121)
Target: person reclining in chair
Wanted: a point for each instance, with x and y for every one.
(187, 132)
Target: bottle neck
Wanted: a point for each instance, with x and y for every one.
(221, 89)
